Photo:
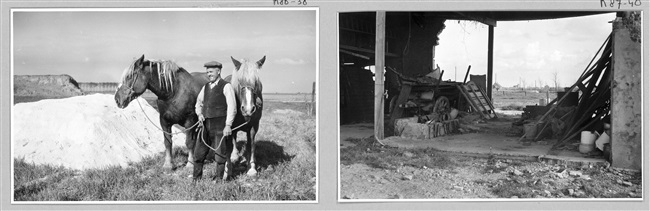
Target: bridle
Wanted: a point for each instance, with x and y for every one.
(131, 90)
(252, 90)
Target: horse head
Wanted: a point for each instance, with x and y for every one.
(134, 83)
(247, 86)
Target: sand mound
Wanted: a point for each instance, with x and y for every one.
(86, 132)
(46, 85)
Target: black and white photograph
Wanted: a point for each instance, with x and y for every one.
(324, 105)
(490, 105)
(164, 105)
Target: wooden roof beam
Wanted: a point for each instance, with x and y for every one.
(354, 54)
(352, 48)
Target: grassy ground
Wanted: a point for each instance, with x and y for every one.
(285, 153)
(372, 171)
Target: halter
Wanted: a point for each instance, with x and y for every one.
(131, 90)
(165, 83)
(242, 88)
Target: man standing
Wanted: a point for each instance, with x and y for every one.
(215, 106)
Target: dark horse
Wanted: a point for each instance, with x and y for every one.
(176, 90)
(248, 91)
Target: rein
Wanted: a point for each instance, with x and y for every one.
(222, 137)
(154, 124)
(165, 132)
(200, 133)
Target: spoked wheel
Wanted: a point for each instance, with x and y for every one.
(442, 108)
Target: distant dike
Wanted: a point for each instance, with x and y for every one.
(57, 86)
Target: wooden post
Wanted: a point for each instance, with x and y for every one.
(490, 61)
(380, 37)
(433, 57)
(467, 74)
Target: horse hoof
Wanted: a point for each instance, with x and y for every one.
(251, 172)
(228, 171)
(168, 167)
(189, 165)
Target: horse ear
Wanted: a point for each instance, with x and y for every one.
(236, 62)
(261, 62)
(140, 60)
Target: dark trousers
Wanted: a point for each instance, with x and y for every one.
(212, 133)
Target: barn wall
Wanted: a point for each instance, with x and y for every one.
(626, 98)
(410, 56)
(356, 95)
(416, 50)
(358, 30)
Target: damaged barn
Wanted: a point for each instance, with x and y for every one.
(411, 100)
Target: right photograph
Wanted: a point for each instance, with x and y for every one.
(490, 105)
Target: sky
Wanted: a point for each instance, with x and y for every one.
(96, 46)
(525, 52)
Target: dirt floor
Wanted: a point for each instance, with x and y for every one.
(486, 161)
(379, 172)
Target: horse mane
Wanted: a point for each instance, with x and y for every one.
(247, 75)
(166, 72)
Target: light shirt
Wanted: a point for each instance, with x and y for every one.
(230, 102)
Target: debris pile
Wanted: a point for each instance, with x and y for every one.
(585, 106)
(428, 107)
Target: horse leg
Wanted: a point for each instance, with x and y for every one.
(251, 161)
(228, 171)
(234, 155)
(167, 128)
(229, 163)
(244, 150)
(190, 142)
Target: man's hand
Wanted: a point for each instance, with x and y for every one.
(227, 131)
(201, 119)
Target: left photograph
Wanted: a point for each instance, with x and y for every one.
(164, 105)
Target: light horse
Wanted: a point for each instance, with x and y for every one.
(176, 90)
(248, 91)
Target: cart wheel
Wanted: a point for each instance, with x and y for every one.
(442, 108)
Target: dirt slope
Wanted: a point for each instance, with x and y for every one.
(46, 85)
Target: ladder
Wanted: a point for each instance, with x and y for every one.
(478, 100)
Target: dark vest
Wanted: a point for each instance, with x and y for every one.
(214, 101)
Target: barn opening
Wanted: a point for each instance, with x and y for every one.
(412, 74)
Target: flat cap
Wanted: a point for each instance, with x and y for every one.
(212, 64)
